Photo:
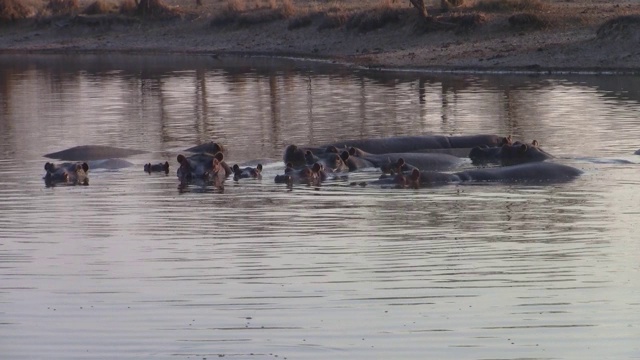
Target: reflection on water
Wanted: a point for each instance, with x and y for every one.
(131, 267)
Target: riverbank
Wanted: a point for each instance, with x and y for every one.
(558, 36)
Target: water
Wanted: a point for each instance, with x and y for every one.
(131, 267)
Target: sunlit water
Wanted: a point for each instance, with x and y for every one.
(132, 267)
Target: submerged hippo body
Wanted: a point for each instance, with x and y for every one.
(421, 161)
(535, 172)
(69, 173)
(401, 144)
(109, 164)
(203, 166)
(210, 148)
(159, 167)
(247, 172)
(509, 154)
(93, 152)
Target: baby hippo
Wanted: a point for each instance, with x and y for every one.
(66, 173)
(247, 172)
(159, 167)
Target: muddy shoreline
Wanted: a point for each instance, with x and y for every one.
(573, 45)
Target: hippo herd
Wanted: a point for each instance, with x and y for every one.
(408, 161)
(405, 162)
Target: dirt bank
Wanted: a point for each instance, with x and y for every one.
(560, 36)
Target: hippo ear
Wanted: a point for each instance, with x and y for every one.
(166, 166)
(316, 167)
(236, 167)
(415, 174)
(85, 167)
(259, 167)
(48, 166)
(289, 165)
(523, 148)
(215, 162)
(352, 151)
(218, 147)
(181, 159)
(400, 162)
(344, 155)
(507, 140)
(535, 143)
(219, 156)
(332, 149)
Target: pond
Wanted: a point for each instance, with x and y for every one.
(131, 266)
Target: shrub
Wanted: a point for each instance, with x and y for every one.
(13, 10)
(300, 22)
(128, 7)
(622, 27)
(58, 7)
(373, 19)
(98, 7)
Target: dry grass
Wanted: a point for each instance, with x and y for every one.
(13, 10)
(99, 7)
(510, 5)
(63, 7)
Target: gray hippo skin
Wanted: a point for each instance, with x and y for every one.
(209, 148)
(637, 152)
(159, 167)
(93, 152)
(311, 175)
(401, 144)
(533, 173)
(509, 154)
(422, 161)
(247, 172)
(109, 164)
(66, 173)
(202, 166)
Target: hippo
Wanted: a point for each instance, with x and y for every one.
(509, 154)
(109, 164)
(66, 173)
(247, 172)
(159, 167)
(202, 166)
(422, 161)
(297, 156)
(310, 175)
(92, 152)
(637, 152)
(331, 161)
(402, 144)
(534, 172)
(209, 148)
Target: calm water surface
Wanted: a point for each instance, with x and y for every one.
(130, 267)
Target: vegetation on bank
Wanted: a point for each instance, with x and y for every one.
(454, 15)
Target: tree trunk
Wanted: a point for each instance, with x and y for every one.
(419, 4)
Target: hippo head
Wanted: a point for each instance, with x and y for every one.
(294, 155)
(354, 151)
(67, 173)
(160, 167)
(247, 173)
(397, 167)
(334, 163)
(484, 154)
(185, 170)
(518, 153)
